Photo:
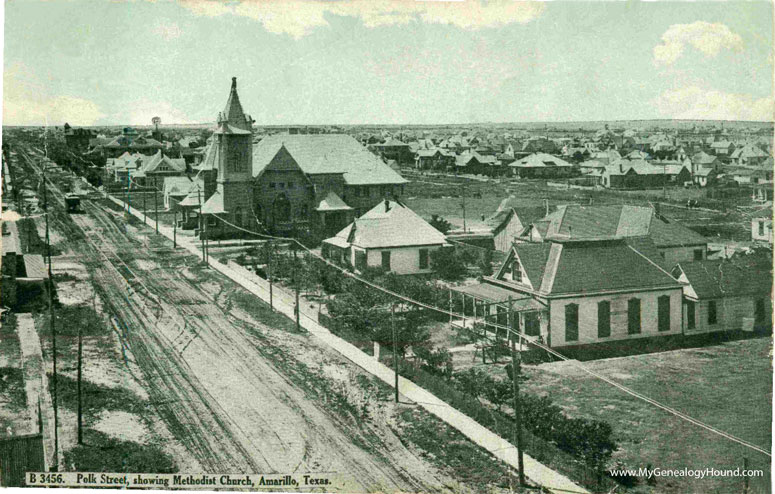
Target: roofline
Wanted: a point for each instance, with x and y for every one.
(677, 286)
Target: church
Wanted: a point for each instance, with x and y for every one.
(286, 184)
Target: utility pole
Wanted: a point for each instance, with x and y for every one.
(515, 372)
(128, 191)
(395, 344)
(201, 222)
(145, 213)
(464, 209)
(174, 228)
(80, 396)
(296, 280)
(53, 327)
(156, 201)
(269, 272)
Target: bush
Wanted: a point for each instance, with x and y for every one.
(448, 264)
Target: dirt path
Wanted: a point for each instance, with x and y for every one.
(218, 391)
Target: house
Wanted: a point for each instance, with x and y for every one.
(672, 243)
(578, 292)
(509, 222)
(703, 159)
(542, 165)
(119, 169)
(723, 149)
(78, 138)
(704, 176)
(393, 149)
(640, 174)
(175, 189)
(294, 174)
(434, 159)
(158, 167)
(539, 144)
(130, 141)
(726, 294)
(748, 155)
(761, 226)
(389, 236)
(471, 162)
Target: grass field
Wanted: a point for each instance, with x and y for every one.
(727, 386)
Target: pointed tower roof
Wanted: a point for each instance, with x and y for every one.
(233, 114)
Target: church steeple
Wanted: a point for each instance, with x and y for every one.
(233, 114)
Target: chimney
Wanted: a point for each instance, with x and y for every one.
(621, 167)
(387, 205)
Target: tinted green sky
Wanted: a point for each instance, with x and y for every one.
(308, 62)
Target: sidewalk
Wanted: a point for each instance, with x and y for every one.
(284, 302)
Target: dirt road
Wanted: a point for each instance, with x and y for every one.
(210, 376)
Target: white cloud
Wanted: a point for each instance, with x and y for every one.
(167, 30)
(709, 39)
(299, 17)
(27, 102)
(695, 103)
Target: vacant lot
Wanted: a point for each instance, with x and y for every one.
(727, 386)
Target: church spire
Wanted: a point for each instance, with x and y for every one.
(233, 113)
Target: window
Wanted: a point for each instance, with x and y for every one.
(633, 316)
(663, 313)
(357, 191)
(712, 315)
(423, 258)
(290, 185)
(211, 221)
(761, 228)
(698, 254)
(691, 313)
(604, 319)
(759, 310)
(386, 260)
(280, 185)
(571, 322)
(516, 271)
(531, 324)
(272, 185)
(360, 260)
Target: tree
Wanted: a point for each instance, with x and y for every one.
(448, 264)
(440, 224)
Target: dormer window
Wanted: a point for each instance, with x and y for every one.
(516, 271)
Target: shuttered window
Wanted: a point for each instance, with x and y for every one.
(663, 313)
(386, 260)
(423, 258)
(604, 319)
(691, 312)
(571, 322)
(633, 316)
(712, 315)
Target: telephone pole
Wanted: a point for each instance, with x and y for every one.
(53, 326)
(464, 209)
(174, 228)
(395, 344)
(80, 396)
(296, 283)
(156, 201)
(515, 372)
(269, 272)
(201, 222)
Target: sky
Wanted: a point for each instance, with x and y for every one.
(111, 62)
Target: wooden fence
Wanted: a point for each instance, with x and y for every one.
(19, 455)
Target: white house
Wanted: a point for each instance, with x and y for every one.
(389, 236)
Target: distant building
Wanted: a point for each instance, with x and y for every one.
(390, 236)
(393, 149)
(78, 138)
(434, 159)
(748, 155)
(130, 141)
(761, 226)
(542, 165)
(640, 174)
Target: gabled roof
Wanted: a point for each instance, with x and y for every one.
(748, 151)
(540, 160)
(327, 154)
(214, 204)
(332, 202)
(389, 224)
(158, 160)
(181, 186)
(729, 277)
(590, 267)
(577, 222)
